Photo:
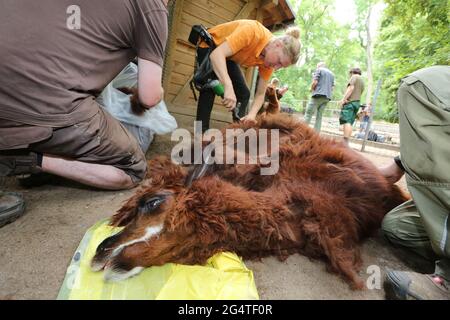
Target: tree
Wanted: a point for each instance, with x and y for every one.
(414, 34)
(323, 39)
(363, 27)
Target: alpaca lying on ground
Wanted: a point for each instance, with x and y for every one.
(324, 200)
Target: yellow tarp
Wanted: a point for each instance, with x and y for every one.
(223, 277)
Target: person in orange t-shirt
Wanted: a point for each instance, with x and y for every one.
(244, 43)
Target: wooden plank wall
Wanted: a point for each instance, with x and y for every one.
(181, 54)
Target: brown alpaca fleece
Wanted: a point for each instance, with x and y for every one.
(324, 200)
(273, 106)
(136, 107)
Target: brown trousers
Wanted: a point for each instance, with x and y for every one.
(100, 139)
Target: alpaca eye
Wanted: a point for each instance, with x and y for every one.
(148, 206)
(154, 203)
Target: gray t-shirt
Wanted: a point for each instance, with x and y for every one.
(325, 79)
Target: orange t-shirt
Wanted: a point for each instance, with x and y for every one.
(247, 39)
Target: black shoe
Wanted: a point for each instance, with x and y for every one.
(14, 163)
(12, 206)
(400, 285)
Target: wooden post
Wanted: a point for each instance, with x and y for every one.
(171, 47)
(372, 112)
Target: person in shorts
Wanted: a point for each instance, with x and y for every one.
(350, 103)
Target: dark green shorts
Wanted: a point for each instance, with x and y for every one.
(349, 112)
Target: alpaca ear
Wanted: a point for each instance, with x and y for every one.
(163, 169)
(158, 166)
(200, 170)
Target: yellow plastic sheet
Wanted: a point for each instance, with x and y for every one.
(224, 277)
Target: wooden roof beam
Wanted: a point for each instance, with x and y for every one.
(247, 9)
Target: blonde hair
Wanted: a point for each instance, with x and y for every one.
(292, 44)
(275, 81)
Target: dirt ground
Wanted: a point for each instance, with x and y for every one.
(36, 249)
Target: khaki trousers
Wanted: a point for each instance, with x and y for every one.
(422, 225)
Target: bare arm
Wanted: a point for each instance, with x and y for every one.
(219, 62)
(258, 101)
(314, 85)
(347, 94)
(283, 90)
(149, 83)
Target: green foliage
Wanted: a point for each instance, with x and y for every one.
(323, 39)
(362, 10)
(414, 34)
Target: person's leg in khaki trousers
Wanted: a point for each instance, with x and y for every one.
(421, 225)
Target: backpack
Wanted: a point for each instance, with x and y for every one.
(203, 73)
(372, 136)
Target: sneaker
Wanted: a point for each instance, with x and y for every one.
(12, 206)
(400, 285)
(14, 163)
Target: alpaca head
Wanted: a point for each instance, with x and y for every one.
(274, 105)
(160, 224)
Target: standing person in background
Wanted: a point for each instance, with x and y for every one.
(322, 90)
(364, 116)
(244, 43)
(280, 90)
(350, 103)
(273, 94)
(275, 82)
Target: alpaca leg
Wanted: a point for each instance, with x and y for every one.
(331, 230)
(344, 260)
